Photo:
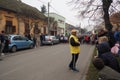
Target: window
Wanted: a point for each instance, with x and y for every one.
(16, 38)
(61, 21)
(24, 38)
(9, 28)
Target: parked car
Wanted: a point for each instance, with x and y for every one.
(17, 42)
(51, 40)
(64, 39)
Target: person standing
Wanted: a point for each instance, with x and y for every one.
(74, 49)
(6, 45)
(28, 36)
(2, 40)
(42, 38)
(34, 41)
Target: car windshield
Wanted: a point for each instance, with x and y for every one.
(50, 37)
(53, 37)
(46, 37)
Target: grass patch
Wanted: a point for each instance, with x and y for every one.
(92, 73)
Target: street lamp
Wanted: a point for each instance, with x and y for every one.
(80, 29)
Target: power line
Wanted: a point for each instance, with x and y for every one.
(45, 2)
(42, 2)
(50, 1)
(59, 13)
(53, 8)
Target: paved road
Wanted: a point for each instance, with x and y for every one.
(45, 63)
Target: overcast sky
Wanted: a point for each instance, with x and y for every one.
(60, 7)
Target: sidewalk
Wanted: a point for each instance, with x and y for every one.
(86, 61)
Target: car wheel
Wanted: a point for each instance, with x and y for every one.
(14, 49)
(31, 46)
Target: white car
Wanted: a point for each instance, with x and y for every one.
(51, 40)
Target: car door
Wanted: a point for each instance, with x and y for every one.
(25, 42)
(53, 39)
(17, 41)
(56, 40)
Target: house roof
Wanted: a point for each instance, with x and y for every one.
(115, 18)
(21, 8)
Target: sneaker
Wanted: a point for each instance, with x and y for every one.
(70, 68)
(75, 70)
(2, 54)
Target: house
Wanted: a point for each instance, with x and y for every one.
(59, 21)
(17, 17)
(68, 28)
(115, 20)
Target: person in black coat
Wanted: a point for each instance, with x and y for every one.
(2, 40)
(42, 38)
(6, 46)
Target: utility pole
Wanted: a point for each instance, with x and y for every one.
(48, 20)
(80, 29)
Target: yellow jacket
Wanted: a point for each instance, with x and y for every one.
(74, 49)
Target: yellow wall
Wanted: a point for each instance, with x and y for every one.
(4, 15)
(10, 17)
(2, 21)
(22, 28)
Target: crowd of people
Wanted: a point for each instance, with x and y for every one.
(108, 50)
(88, 39)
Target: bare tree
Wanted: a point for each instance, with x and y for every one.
(106, 6)
(43, 9)
(97, 10)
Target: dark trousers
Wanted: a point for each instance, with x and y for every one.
(41, 42)
(72, 64)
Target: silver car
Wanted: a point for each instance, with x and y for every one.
(51, 40)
